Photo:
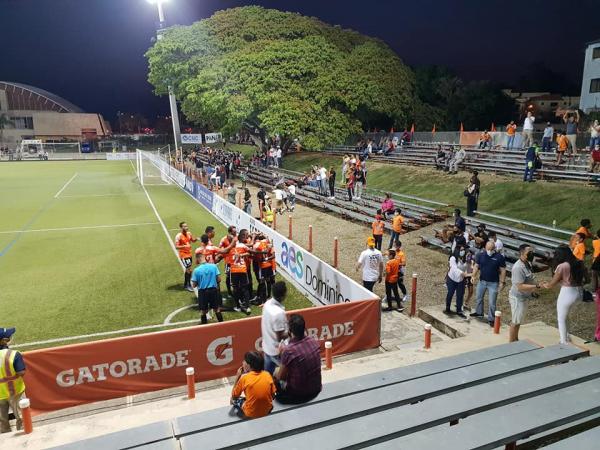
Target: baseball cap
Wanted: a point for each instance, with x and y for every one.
(371, 242)
(6, 333)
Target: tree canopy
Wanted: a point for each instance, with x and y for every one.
(270, 72)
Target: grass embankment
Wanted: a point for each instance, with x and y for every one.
(540, 202)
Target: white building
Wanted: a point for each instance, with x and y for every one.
(590, 85)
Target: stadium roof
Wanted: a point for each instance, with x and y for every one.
(24, 97)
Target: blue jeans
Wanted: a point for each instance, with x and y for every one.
(546, 144)
(510, 141)
(594, 141)
(395, 237)
(529, 171)
(271, 363)
(453, 287)
(492, 288)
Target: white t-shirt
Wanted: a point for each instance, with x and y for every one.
(292, 189)
(273, 320)
(279, 153)
(278, 194)
(370, 259)
(528, 124)
(323, 172)
(499, 245)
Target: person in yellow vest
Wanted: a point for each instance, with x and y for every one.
(268, 213)
(12, 386)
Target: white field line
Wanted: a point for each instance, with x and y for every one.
(91, 227)
(177, 311)
(65, 185)
(104, 333)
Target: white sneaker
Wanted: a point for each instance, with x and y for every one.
(237, 309)
(209, 316)
(405, 298)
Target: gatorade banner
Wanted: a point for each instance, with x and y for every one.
(73, 375)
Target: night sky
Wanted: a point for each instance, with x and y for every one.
(91, 51)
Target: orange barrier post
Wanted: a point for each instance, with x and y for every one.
(310, 238)
(240, 201)
(290, 227)
(24, 404)
(328, 355)
(497, 322)
(428, 336)
(335, 252)
(191, 388)
(413, 296)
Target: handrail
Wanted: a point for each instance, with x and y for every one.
(525, 222)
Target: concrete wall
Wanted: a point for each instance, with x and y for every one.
(591, 70)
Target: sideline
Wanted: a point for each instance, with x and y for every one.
(43, 230)
(65, 185)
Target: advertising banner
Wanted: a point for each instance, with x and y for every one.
(191, 139)
(212, 138)
(203, 195)
(73, 375)
(323, 284)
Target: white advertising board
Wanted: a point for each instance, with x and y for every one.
(120, 156)
(191, 139)
(212, 138)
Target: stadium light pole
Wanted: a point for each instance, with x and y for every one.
(172, 99)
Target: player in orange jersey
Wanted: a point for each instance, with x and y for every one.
(238, 273)
(263, 267)
(183, 244)
(225, 242)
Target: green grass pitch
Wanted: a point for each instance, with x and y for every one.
(82, 252)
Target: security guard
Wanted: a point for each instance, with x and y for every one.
(12, 386)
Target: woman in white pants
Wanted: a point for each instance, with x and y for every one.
(570, 273)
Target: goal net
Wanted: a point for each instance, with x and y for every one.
(153, 169)
(36, 148)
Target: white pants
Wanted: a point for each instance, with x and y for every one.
(566, 298)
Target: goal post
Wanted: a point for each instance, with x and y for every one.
(152, 169)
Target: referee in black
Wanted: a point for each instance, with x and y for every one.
(206, 277)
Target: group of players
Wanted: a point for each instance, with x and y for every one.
(242, 252)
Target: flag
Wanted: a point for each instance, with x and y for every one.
(433, 129)
(493, 128)
(462, 129)
(412, 129)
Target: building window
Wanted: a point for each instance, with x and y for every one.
(596, 53)
(595, 86)
(22, 123)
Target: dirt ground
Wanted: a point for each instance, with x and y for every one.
(429, 264)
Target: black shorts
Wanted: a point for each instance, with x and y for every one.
(239, 280)
(209, 298)
(187, 262)
(266, 273)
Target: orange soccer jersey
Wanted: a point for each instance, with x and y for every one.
(579, 251)
(238, 263)
(228, 257)
(392, 267)
(378, 227)
(184, 242)
(596, 247)
(397, 222)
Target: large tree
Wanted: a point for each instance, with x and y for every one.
(270, 72)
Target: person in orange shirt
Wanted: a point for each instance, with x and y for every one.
(562, 146)
(378, 229)
(579, 249)
(239, 273)
(228, 257)
(256, 384)
(596, 268)
(511, 128)
(586, 225)
(392, 270)
(401, 257)
(183, 244)
(263, 267)
(397, 222)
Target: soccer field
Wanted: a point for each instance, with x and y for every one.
(82, 253)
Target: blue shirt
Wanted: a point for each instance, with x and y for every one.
(489, 266)
(205, 276)
(460, 223)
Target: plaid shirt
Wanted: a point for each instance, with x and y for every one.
(302, 358)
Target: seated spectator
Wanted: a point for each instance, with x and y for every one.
(390, 148)
(485, 140)
(459, 157)
(387, 206)
(595, 159)
(480, 237)
(406, 138)
(498, 244)
(298, 378)
(440, 158)
(459, 221)
(257, 386)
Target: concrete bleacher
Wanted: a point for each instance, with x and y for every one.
(506, 393)
(487, 160)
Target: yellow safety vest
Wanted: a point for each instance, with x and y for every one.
(268, 214)
(11, 384)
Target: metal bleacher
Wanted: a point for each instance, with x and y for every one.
(488, 160)
(483, 399)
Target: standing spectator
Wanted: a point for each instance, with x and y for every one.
(359, 181)
(492, 269)
(331, 182)
(323, 177)
(298, 378)
(371, 262)
(579, 248)
(455, 280)
(511, 130)
(498, 244)
(387, 206)
(547, 138)
(472, 194)
(528, 130)
(392, 271)
(570, 273)
(278, 156)
(562, 144)
(596, 263)
(397, 222)
(247, 201)
(459, 157)
(350, 184)
(12, 386)
(274, 326)
(595, 158)
(572, 121)
(523, 286)
(378, 227)
(292, 196)
(401, 257)
(470, 260)
(260, 196)
(206, 277)
(530, 162)
(594, 134)
(257, 386)
(232, 193)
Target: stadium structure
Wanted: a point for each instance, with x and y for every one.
(34, 113)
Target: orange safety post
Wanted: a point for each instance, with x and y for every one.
(335, 252)
(497, 321)
(240, 201)
(328, 355)
(24, 404)
(191, 388)
(310, 238)
(290, 227)
(428, 336)
(413, 296)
